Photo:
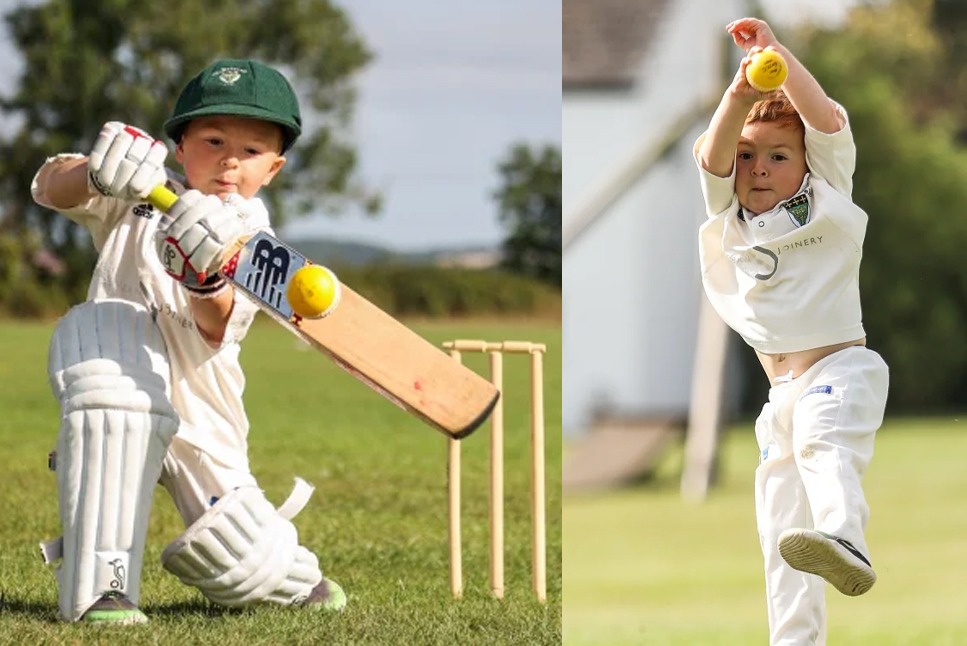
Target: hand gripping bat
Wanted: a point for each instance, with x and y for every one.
(359, 337)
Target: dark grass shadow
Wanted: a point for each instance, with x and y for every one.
(184, 609)
(13, 607)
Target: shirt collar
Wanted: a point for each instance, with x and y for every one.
(795, 206)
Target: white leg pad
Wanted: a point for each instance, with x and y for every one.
(243, 551)
(108, 369)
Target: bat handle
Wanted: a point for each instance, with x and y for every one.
(161, 198)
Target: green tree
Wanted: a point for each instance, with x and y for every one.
(529, 202)
(87, 63)
(949, 72)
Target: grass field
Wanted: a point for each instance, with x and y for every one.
(645, 568)
(378, 518)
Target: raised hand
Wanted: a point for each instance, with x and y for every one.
(126, 162)
(751, 32)
(740, 87)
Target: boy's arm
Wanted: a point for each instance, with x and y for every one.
(717, 152)
(194, 236)
(212, 314)
(802, 88)
(119, 165)
(66, 184)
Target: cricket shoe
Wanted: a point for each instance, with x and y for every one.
(327, 595)
(833, 558)
(114, 608)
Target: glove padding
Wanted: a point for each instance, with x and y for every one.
(126, 162)
(194, 237)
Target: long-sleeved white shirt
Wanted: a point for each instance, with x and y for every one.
(788, 279)
(206, 383)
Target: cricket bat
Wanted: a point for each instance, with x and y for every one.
(365, 341)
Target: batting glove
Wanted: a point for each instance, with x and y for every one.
(195, 236)
(126, 162)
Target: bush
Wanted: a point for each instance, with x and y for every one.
(27, 290)
(401, 290)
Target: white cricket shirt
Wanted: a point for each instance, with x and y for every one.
(788, 279)
(206, 383)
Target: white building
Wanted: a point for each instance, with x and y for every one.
(640, 78)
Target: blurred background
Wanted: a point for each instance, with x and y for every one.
(425, 146)
(639, 82)
(658, 396)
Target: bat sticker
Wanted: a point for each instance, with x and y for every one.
(272, 269)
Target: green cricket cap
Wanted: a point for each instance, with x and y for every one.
(242, 88)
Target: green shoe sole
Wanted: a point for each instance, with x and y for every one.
(114, 608)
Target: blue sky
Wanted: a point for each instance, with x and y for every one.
(452, 86)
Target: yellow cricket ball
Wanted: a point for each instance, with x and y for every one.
(313, 292)
(766, 71)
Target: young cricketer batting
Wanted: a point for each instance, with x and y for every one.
(780, 257)
(147, 369)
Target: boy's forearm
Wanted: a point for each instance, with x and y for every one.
(66, 184)
(717, 152)
(808, 97)
(212, 314)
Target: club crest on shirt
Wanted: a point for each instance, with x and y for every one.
(797, 207)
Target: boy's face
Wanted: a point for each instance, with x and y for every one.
(223, 155)
(770, 163)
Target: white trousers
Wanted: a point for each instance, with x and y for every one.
(195, 479)
(815, 438)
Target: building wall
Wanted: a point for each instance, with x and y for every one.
(631, 281)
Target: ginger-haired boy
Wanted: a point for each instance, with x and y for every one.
(780, 257)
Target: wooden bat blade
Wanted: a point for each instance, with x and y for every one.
(362, 339)
(401, 365)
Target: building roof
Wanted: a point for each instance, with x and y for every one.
(605, 41)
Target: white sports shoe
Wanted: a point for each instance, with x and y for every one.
(833, 558)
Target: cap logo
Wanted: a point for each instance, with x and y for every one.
(230, 75)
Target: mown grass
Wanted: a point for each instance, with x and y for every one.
(378, 518)
(645, 568)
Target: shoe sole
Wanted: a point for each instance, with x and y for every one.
(115, 617)
(812, 553)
